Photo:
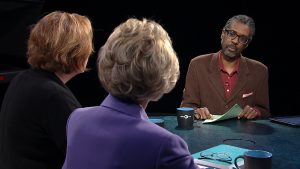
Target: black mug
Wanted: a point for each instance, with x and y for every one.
(185, 116)
(256, 159)
(159, 122)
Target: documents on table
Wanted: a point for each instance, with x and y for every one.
(229, 150)
(235, 111)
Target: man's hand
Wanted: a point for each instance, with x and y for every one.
(204, 113)
(248, 113)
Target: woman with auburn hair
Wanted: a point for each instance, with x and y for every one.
(136, 65)
(37, 103)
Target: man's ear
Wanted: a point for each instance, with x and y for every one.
(247, 44)
(223, 34)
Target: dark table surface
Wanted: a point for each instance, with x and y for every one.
(281, 140)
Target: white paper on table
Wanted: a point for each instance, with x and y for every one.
(204, 165)
(235, 111)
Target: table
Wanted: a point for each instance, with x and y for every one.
(280, 140)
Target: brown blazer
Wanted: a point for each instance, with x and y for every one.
(204, 86)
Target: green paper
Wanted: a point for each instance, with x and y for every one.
(235, 111)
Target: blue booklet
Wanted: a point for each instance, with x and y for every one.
(221, 155)
(290, 120)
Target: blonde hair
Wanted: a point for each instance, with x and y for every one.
(60, 42)
(138, 61)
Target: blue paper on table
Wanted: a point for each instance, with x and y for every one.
(231, 151)
(290, 120)
(235, 111)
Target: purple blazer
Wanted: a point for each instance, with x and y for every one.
(118, 134)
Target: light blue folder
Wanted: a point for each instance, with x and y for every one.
(229, 150)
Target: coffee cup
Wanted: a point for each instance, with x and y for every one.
(159, 122)
(185, 116)
(256, 159)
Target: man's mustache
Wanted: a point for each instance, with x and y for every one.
(232, 46)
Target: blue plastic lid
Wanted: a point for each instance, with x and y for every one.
(156, 120)
(258, 154)
(185, 108)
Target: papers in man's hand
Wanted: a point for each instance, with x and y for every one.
(235, 111)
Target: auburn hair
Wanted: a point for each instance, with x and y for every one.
(60, 42)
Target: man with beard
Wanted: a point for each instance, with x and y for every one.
(216, 82)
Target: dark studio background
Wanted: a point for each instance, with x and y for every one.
(195, 28)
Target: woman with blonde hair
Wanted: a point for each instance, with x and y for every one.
(37, 103)
(136, 65)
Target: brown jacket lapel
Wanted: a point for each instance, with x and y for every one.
(241, 80)
(215, 76)
(216, 79)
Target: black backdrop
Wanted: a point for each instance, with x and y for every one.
(195, 28)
